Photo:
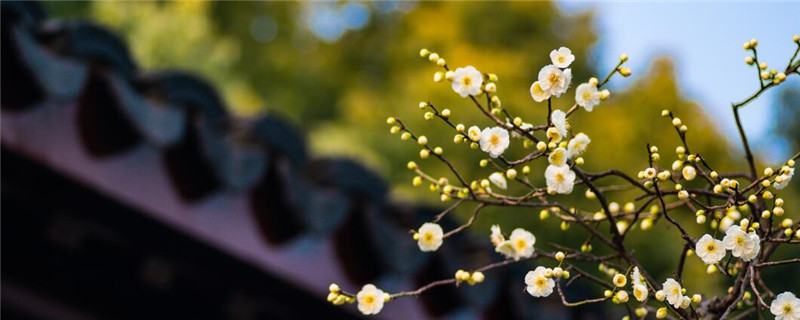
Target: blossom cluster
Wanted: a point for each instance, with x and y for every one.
(743, 206)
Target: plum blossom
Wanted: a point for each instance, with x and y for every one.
(559, 120)
(370, 299)
(519, 245)
(710, 250)
(562, 57)
(494, 141)
(560, 178)
(537, 284)
(786, 306)
(578, 144)
(672, 291)
(587, 96)
(467, 81)
(499, 180)
(431, 237)
(554, 81)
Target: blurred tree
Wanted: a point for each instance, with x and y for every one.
(339, 77)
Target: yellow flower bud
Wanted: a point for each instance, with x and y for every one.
(490, 87)
(541, 146)
(661, 313)
(424, 153)
(511, 173)
(438, 77)
(544, 214)
(700, 219)
(424, 53)
(477, 277)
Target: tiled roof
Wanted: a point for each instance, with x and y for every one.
(181, 120)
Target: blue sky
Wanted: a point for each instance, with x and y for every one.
(705, 39)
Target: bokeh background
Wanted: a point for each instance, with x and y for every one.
(336, 70)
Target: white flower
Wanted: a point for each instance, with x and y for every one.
(537, 284)
(709, 250)
(726, 223)
(636, 277)
(587, 96)
(578, 144)
(622, 296)
(554, 81)
(785, 178)
(559, 178)
(497, 236)
(620, 280)
(506, 248)
(538, 93)
(474, 133)
(498, 179)
(519, 245)
(739, 243)
(559, 119)
(639, 286)
(562, 57)
(650, 173)
(689, 173)
(370, 299)
(430, 237)
(750, 255)
(733, 213)
(785, 307)
(558, 157)
(494, 141)
(553, 134)
(672, 290)
(685, 302)
(467, 81)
